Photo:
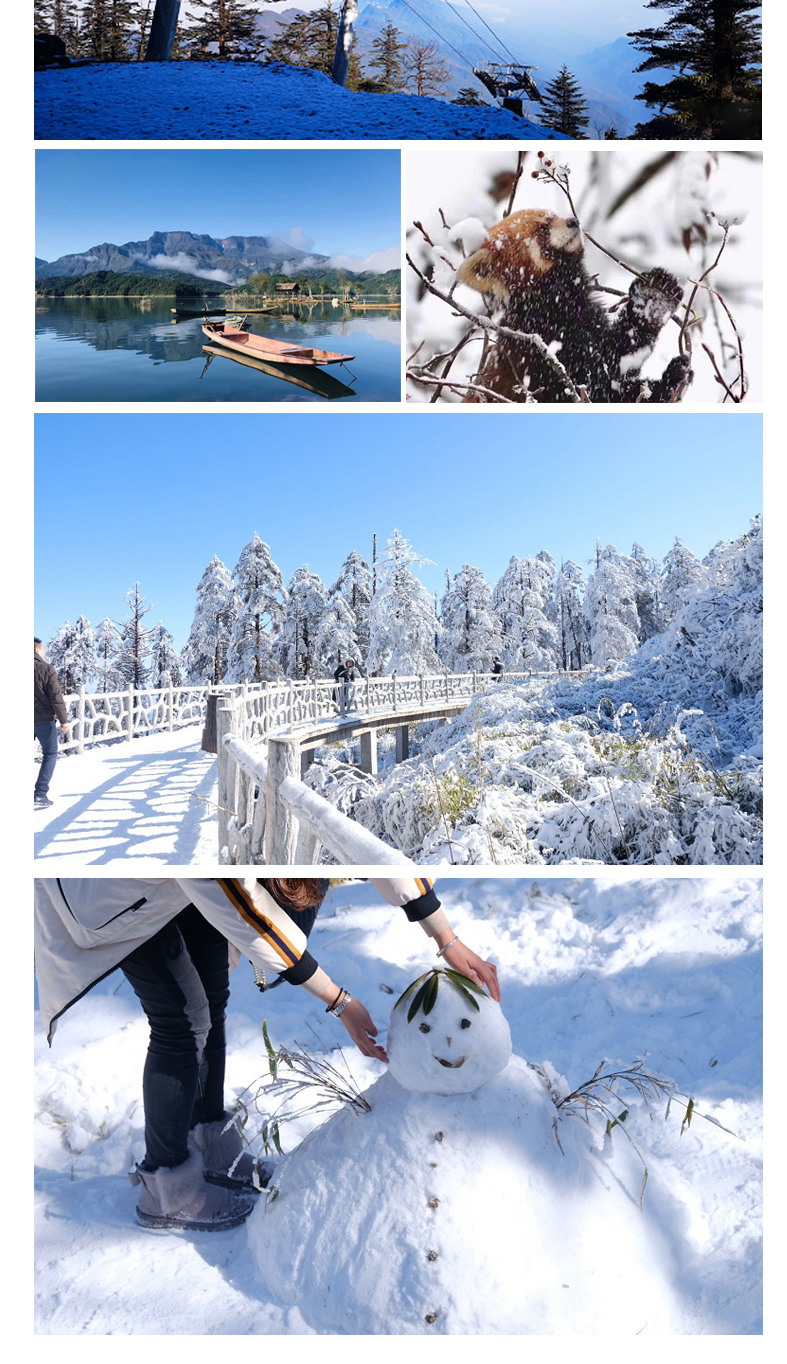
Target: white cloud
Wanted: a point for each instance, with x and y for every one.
(294, 267)
(378, 261)
(186, 263)
(297, 237)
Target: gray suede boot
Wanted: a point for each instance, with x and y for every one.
(223, 1151)
(178, 1198)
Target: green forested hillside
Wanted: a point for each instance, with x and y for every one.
(107, 283)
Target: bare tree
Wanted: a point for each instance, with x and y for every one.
(425, 71)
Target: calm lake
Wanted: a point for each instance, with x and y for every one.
(131, 350)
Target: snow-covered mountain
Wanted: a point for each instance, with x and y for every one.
(229, 259)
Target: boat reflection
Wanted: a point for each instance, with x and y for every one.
(315, 380)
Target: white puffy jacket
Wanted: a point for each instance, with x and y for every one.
(85, 927)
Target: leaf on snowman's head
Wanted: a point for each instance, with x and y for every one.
(410, 989)
(430, 998)
(463, 985)
(419, 998)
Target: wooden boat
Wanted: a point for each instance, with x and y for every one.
(314, 380)
(265, 348)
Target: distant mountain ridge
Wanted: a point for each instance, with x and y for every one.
(228, 260)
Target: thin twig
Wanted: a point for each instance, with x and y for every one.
(488, 324)
(456, 386)
(520, 166)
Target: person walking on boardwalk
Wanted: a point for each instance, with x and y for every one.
(175, 941)
(49, 715)
(497, 668)
(344, 675)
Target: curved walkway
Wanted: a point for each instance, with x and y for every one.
(132, 800)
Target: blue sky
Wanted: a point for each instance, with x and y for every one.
(342, 201)
(121, 498)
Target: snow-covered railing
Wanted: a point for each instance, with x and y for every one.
(102, 717)
(266, 813)
(281, 707)
(284, 823)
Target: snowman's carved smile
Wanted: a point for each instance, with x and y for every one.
(451, 1065)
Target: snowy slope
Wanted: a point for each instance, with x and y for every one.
(589, 969)
(190, 100)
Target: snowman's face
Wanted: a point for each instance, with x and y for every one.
(454, 1049)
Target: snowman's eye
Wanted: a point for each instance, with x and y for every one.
(465, 1023)
(424, 1027)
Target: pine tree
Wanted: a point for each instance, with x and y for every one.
(425, 71)
(522, 600)
(471, 630)
(205, 650)
(573, 643)
(712, 50)
(403, 624)
(260, 600)
(229, 27)
(60, 17)
(72, 653)
(131, 659)
(563, 106)
(647, 582)
(337, 637)
(109, 30)
(307, 601)
(164, 662)
(106, 678)
(471, 97)
(310, 40)
(354, 584)
(610, 608)
(683, 575)
(387, 59)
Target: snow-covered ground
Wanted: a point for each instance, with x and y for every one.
(590, 969)
(191, 100)
(138, 800)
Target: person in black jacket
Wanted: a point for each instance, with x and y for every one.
(344, 675)
(49, 714)
(497, 668)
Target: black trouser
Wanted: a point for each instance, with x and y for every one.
(181, 978)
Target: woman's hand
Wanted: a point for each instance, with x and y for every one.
(360, 1025)
(462, 958)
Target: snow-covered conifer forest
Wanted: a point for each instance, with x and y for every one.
(635, 736)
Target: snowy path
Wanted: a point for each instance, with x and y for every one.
(589, 968)
(246, 100)
(117, 801)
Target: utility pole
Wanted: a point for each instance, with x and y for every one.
(162, 31)
(344, 42)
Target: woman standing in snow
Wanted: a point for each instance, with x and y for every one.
(175, 941)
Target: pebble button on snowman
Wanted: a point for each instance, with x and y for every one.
(455, 1205)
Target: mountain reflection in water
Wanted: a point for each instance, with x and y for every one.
(118, 349)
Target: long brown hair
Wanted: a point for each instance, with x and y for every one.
(297, 892)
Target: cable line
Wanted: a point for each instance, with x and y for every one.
(468, 64)
(492, 31)
(479, 36)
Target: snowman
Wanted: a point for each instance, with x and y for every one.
(460, 1203)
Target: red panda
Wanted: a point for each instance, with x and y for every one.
(531, 267)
